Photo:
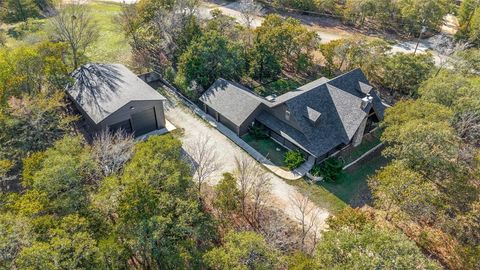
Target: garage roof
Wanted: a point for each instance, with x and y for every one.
(232, 100)
(102, 89)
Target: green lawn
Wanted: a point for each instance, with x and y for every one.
(351, 186)
(268, 148)
(365, 146)
(351, 189)
(319, 195)
(111, 46)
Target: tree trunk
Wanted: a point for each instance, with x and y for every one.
(75, 58)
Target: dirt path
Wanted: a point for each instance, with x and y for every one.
(194, 127)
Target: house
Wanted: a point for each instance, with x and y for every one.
(317, 119)
(112, 97)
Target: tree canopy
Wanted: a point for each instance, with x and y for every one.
(210, 57)
(245, 250)
(433, 144)
(355, 242)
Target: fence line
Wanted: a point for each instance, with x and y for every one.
(362, 156)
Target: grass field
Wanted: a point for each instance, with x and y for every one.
(268, 148)
(111, 46)
(350, 189)
(319, 195)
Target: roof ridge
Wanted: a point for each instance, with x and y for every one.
(242, 87)
(332, 88)
(347, 73)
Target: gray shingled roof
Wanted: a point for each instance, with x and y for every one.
(302, 89)
(285, 130)
(327, 112)
(231, 100)
(102, 89)
(338, 102)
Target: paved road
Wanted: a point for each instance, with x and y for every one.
(233, 10)
(194, 127)
(326, 35)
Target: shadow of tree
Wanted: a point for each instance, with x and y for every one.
(95, 84)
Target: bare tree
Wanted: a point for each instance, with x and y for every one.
(467, 125)
(130, 23)
(260, 193)
(279, 231)
(169, 37)
(306, 213)
(112, 150)
(254, 189)
(249, 9)
(245, 174)
(74, 25)
(446, 47)
(203, 156)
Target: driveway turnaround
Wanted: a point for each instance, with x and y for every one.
(194, 127)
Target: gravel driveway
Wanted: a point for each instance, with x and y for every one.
(194, 127)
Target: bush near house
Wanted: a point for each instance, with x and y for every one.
(258, 132)
(293, 159)
(329, 169)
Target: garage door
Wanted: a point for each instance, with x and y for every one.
(124, 125)
(144, 122)
(211, 112)
(227, 123)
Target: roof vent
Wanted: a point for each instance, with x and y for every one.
(366, 101)
(271, 97)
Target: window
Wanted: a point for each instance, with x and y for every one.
(287, 115)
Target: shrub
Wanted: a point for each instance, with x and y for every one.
(293, 159)
(258, 132)
(329, 169)
(23, 29)
(170, 74)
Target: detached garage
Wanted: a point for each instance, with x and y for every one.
(238, 105)
(112, 97)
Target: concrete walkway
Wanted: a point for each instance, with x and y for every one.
(169, 127)
(288, 175)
